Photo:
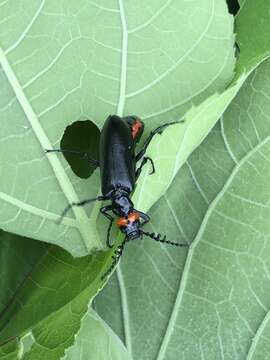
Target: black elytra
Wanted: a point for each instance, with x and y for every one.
(118, 170)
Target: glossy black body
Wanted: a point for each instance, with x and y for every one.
(117, 157)
(117, 162)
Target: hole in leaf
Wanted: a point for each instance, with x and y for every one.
(233, 6)
(82, 137)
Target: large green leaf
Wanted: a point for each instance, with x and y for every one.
(78, 59)
(46, 311)
(213, 303)
(18, 257)
(144, 292)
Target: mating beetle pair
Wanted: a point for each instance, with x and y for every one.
(117, 162)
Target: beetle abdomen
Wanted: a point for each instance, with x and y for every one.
(117, 158)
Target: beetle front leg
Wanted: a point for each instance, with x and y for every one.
(143, 216)
(158, 130)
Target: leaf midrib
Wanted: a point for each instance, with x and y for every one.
(36, 210)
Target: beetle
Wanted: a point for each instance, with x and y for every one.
(118, 170)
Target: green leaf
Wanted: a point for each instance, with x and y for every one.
(253, 42)
(47, 309)
(18, 256)
(77, 59)
(95, 340)
(171, 150)
(9, 351)
(177, 144)
(213, 303)
(260, 347)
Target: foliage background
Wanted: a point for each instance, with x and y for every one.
(210, 301)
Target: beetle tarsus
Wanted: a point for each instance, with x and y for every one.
(144, 161)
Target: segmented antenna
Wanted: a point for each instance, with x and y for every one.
(117, 254)
(157, 237)
(119, 251)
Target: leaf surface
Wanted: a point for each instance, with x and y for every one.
(73, 60)
(18, 257)
(95, 340)
(212, 301)
(46, 311)
(176, 145)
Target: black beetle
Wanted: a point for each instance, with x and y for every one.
(117, 162)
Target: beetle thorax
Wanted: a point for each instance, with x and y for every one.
(122, 203)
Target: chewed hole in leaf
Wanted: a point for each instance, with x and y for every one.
(82, 137)
(233, 6)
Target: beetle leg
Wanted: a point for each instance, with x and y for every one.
(92, 162)
(158, 130)
(104, 211)
(144, 216)
(144, 161)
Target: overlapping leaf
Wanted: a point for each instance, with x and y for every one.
(18, 256)
(47, 308)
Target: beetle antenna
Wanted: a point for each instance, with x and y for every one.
(83, 155)
(117, 254)
(157, 237)
(81, 203)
